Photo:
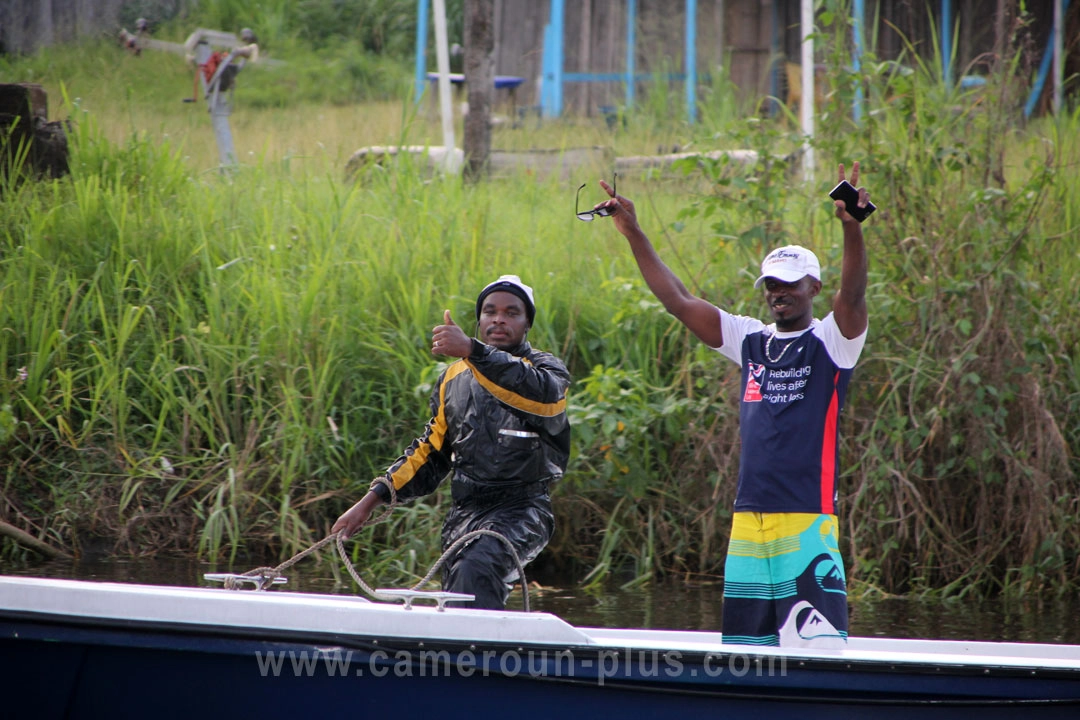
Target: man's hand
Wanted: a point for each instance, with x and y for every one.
(448, 339)
(864, 196)
(849, 302)
(355, 517)
(622, 210)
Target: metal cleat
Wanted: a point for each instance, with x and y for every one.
(232, 580)
(440, 598)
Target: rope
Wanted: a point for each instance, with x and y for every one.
(465, 539)
(268, 573)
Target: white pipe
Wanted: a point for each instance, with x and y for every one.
(806, 105)
(442, 57)
(1059, 22)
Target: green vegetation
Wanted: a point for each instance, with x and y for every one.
(217, 363)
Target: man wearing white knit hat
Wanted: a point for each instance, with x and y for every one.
(499, 429)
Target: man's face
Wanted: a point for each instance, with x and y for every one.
(503, 322)
(791, 304)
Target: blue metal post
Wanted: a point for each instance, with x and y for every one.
(546, 76)
(552, 90)
(946, 42)
(1044, 70)
(421, 47)
(858, 13)
(691, 61)
(631, 29)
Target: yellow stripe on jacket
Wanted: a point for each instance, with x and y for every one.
(533, 407)
(435, 438)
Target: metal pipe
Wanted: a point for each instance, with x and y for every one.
(421, 47)
(558, 35)
(858, 15)
(1059, 49)
(1044, 70)
(631, 28)
(946, 42)
(691, 61)
(442, 57)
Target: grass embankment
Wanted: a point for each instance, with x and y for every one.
(219, 363)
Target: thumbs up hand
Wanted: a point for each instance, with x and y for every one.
(450, 340)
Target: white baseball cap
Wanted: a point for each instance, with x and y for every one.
(790, 263)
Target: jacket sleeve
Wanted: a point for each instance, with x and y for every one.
(424, 465)
(534, 385)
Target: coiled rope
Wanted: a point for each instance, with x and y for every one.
(267, 574)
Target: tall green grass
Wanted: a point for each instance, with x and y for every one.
(218, 363)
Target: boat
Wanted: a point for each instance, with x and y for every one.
(84, 649)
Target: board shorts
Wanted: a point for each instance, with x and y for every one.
(784, 582)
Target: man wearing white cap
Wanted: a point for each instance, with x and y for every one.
(784, 581)
(498, 427)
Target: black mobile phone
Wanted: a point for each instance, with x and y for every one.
(846, 191)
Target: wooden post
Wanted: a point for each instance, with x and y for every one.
(806, 105)
(480, 81)
(1001, 30)
(585, 43)
(28, 142)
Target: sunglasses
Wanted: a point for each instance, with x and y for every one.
(588, 215)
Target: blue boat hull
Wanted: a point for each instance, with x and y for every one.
(71, 649)
(62, 671)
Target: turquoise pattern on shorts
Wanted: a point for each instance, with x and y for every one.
(784, 581)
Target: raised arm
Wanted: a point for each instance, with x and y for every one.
(697, 314)
(849, 302)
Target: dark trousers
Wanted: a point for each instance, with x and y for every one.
(481, 568)
(484, 567)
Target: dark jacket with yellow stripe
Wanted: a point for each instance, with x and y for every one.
(498, 421)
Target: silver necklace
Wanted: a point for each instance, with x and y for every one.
(768, 348)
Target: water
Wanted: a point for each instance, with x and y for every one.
(668, 606)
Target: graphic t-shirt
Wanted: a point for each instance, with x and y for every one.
(793, 388)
